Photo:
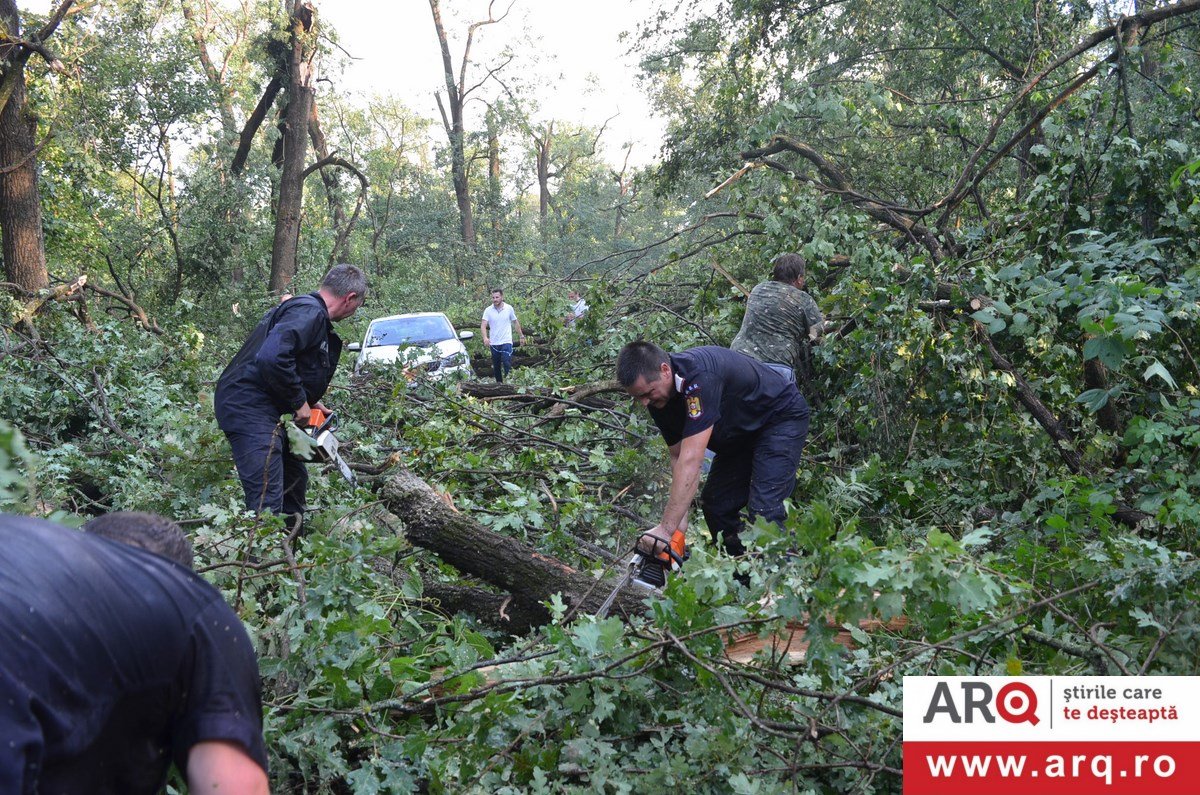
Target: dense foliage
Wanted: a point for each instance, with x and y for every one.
(1007, 411)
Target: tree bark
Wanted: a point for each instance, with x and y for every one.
(337, 212)
(623, 187)
(20, 201)
(457, 92)
(494, 197)
(254, 122)
(455, 129)
(1095, 377)
(506, 563)
(499, 611)
(295, 129)
(542, 146)
(341, 242)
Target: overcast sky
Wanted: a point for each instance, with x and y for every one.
(573, 44)
(572, 47)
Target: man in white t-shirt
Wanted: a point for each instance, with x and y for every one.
(497, 326)
(578, 307)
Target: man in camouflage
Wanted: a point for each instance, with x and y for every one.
(781, 319)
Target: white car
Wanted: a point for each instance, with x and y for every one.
(423, 342)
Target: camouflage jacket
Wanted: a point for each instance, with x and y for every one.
(775, 327)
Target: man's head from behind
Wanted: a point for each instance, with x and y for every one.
(147, 531)
(789, 269)
(644, 370)
(344, 290)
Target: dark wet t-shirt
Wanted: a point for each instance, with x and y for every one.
(730, 392)
(114, 662)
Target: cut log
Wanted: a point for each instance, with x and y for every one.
(791, 644)
(506, 563)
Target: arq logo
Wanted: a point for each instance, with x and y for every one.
(1016, 702)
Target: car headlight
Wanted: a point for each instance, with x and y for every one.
(454, 360)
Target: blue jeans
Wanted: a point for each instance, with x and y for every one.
(501, 361)
(760, 476)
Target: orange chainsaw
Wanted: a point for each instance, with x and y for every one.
(320, 428)
(649, 569)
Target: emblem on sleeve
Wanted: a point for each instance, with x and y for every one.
(693, 406)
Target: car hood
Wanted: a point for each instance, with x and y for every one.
(386, 354)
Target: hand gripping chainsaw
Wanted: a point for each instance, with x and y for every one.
(649, 569)
(320, 428)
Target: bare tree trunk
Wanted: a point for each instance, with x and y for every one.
(494, 197)
(543, 147)
(231, 216)
(20, 202)
(455, 130)
(337, 212)
(295, 129)
(456, 97)
(255, 121)
(623, 191)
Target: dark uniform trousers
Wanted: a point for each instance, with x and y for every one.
(272, 478)
(760, 476)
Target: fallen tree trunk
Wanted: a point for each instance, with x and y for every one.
(509, 564)
(486, 391)
(540, 398)
(585, 394)
(503, 612)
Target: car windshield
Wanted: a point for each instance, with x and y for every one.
(409, 331)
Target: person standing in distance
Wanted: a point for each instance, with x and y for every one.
(284, 367)
(578, 307)
(496, 328)
(120, 661)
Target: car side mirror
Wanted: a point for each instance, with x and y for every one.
(466, 335)
(354, 347)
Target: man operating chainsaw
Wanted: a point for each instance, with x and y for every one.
(751, 416)
(284, 367)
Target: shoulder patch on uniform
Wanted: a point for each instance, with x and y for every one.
(694, 407)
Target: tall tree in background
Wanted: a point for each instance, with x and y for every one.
(294, 138)
(457, 92)
(20, 200)
(553, 162)
(198, 27)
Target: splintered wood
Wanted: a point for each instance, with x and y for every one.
(791, 644)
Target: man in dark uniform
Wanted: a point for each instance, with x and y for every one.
(752, 417)
(284, 367)
(116, 663)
